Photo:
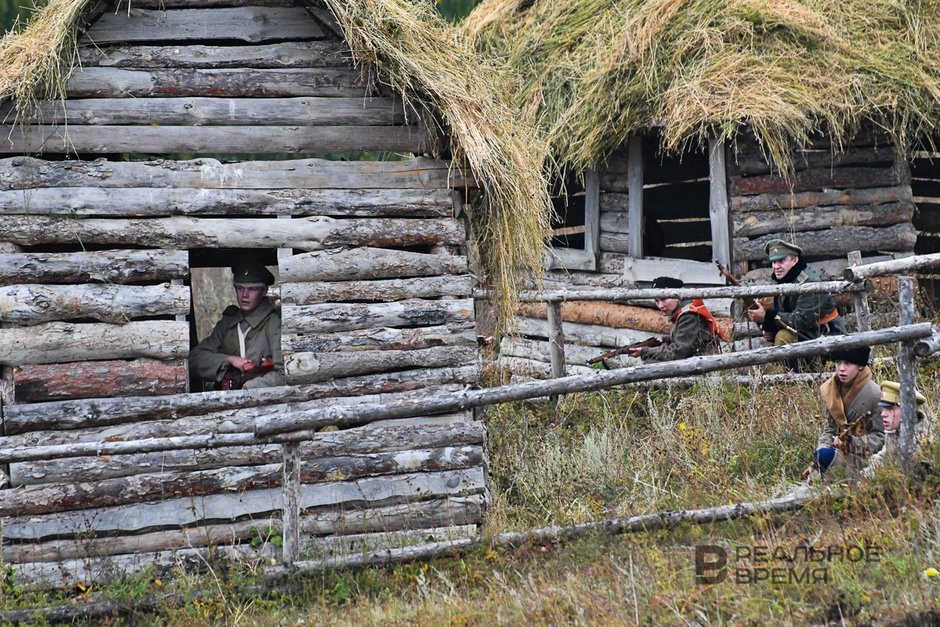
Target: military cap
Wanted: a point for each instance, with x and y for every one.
(857, 356)
(248, 272)
(891, 395)
(667, 282)
(778, 249)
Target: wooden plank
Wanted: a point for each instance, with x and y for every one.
(692, 272)
(558, 258)
(106, 266)
(718, 210)
(614, 222)
(635, 196)
(57, 342)
(383, 338)
(534, 369)
(575, 354)
(201, 111)
(383, 290)
(836, 241)
(311, 233)
(277, 55)
(381, 490)
(332, 317)
(160, 202)
(584, 334)
(368, 263)
(207, 173)
(754, 163)
(29, 304)
(797, 200)
(95, 379)
(591, 212)
(603, 314)
(615, 243)
(249, 23)
(210, 139)
(816, 179)
(312, 367)
(816, 218)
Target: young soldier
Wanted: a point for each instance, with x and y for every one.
(246, 333)
(853, 429)
(891, 419)
(694, 330)
(798, 317)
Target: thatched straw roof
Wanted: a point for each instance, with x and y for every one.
(420, 55)
(591, 72)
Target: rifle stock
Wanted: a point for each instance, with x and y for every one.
(748, 301)
(235, 379)
(650, 342)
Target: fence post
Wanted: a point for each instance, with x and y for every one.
(556, 339)
(862, 310)
(906, 441)
(290, 503)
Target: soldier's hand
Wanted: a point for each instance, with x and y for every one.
(239, 363)
(756, 313)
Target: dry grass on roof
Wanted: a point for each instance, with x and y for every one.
(591, 72)
(421, 55)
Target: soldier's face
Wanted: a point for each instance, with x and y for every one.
(891, 417)
(249, 296)
(667, 305)
(847, 371)
(782, 266)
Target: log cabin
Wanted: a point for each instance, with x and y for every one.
(142, 146)
(690, 133)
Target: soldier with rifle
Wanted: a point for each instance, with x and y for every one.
(244, 348)
(694, 330)
(853, 429)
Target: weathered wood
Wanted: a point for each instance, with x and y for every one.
(95, 379)
(798, 200)
(635, 226)
(77, 414)
(55, 342)
(163, 5)
(384, 338)
(106, 266)
(718, 210)
(313, 367)
(860, 300)
(380, 490)
(585, 334)
(391, 436)
(754, 163)
(201, 111)
(289, 422)
(250, 23)
(575, 354)
(330, 317)
(615, 243)
(368, 263)
(591, 212)
(816, 179)
(277, 55)
(209, 139)
(556, 339)
(907, 443)
(207, 173)
(569, 259)
(881, 268)
(185, 233)
(139, 202)
(530, 368)
(604, 314)
(834, 241)
(614, 222)
(382, 290)
(816, 218)
(35, 304)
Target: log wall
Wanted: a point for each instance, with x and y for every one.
(195, 130)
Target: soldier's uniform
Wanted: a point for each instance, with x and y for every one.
(891, 396)
(694, 332)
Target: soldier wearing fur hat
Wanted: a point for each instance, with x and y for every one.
(890, 405)
(797, 317)
(853, 429)
(247, 332)
(694, 330)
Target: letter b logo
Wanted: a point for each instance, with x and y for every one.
(710, 563)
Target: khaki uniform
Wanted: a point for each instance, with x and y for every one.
(263, 338)
(691, 334)
(855, 403)
(889, 452)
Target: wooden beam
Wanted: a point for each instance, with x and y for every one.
(882, 268)
(833, 241)
(309, 367)
(818, 218)
(332, 317)
(34, 304)
(382, 290)
(635, 195)
(718, 203)
(96, 379)
(106, 266)
(277, 55)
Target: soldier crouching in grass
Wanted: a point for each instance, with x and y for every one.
(694, 330)
(853, 429)
(890, 405)
(244, 348)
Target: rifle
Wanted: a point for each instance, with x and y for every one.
(748, 301)
(843, 437)
(650, 342)
(235, 379)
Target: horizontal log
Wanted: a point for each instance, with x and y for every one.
(368, 263)
(817, 218)
(56, 342)
(538, 350)
(384, 290)
(205, 173)
(137, 202)
(210, 139)
(603, 314)
(313, 233)
(383, 338)
(755, 163)
(614, 243)
(96, 379)
(311, 367)
(368, 491)
(35, 304)
(277, 55)
(815, 179)
(163, 5)
(529, 368)
(586, 334)
(201, 111)
(835, 241)
(895, 266)
(332, 317)
(76, 414)
(106, 266)
(614, 222)
(799, 200)
(248, 23)
(447, 430)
